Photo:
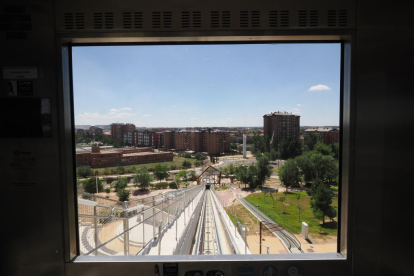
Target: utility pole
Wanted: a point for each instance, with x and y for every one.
(260, 243)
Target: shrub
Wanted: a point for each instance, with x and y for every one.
(122, 183)
(120, 170)
(172, 185)
(123, 195)
(161, 185)
(173, 167)
(186, 164)
(84, 171)
(107, 190)
(89, 185)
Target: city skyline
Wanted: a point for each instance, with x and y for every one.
(206, 85)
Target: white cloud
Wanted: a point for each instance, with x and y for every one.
(319, 87)
(113, 110)
(296, 111)
(229, 119)
(147, 115)
(192, 118)
(125, 108)
(109, 115)
(299, 105)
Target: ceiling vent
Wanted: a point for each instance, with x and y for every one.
(74, 21)
(255, 19)
(138, 20)
(132, 20)
(284, 19)
(273, 19)
(251, 19)
(337, 18)
(220, 19)
(127, 20)
(161, 20)
(308, 18)
(15, 22)
(103, 20)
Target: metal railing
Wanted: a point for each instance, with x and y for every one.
(105, 225)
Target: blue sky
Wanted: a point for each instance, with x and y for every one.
(206, 85)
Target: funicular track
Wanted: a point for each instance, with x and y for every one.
(207, 239)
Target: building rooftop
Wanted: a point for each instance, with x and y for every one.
(280, 113)
(320, 129)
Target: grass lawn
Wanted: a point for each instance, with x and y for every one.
(287, 215)
(177, 161)
(223, 188)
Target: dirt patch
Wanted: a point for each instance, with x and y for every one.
(247, 219)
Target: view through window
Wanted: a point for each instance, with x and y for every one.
(207, 149)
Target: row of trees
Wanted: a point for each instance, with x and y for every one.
(308, 168)
(254, 175)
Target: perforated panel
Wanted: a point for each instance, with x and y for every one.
(229, 15)
(15, 22)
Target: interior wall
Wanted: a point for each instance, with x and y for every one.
(33, 242)
(383, 155)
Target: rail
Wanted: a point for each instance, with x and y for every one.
(95, 216)
(287, 238)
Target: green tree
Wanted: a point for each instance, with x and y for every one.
(321, 199)
(143, 178)
(290, 148)
(89, 185)
(323, 149)
(242, 175)
(120, 170)
(264, 171)
(231, 169)
(187, 155)
(199, 156)
(193, 175)
(273, 154)
(121, 183)
(326, 167)
(84, 171)
(160, 171)
(306, 167)
(310, 141)
(183, 175)
(335, 150)
(289, 174)
(186, 164)
(123, 195)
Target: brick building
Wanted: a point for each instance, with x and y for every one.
(108, 158)
(327, 135)
(146, 138)
(281, 125)
(124, 132)
(213, 142)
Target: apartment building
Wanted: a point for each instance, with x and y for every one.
(281, 125)
(327, 135)
(213, 142)
(124, 132)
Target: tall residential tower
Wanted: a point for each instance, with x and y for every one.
(279, 125)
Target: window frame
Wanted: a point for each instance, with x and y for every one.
(64, 44)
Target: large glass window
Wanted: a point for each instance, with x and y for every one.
(207, 149)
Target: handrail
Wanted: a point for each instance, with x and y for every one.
(189, 194)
